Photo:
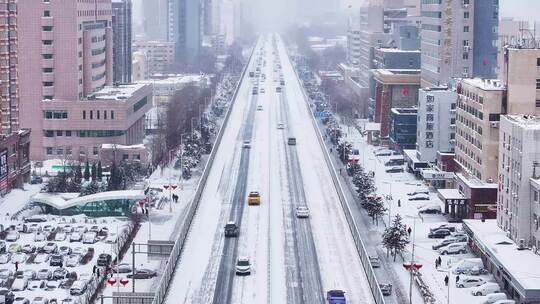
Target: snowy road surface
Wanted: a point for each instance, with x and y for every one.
(293, 260)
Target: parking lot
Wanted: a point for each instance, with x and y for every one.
(57, 258)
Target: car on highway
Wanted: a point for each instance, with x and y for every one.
(21, 300)
(467, 281)
(262, 91)
(246, 144)
(89, 237)
(29, 274)
(60, 273)
(455, 248)
(291, 141)
(302, 212)
(34, 179)
(419, 197)
(278, 89)
(394, 170)
(243, 266)
(36, 285)
(439, 234)
(383, 152)
(231, 229)
(142, 274)
(336, 296)
(254, 198)
(5, 273)
(280, 126)
(37, 218)
(374, 261)
(259, 108)
(3, 246)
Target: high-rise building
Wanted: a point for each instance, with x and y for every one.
(449, 37)
(121, 25)
(156, 19)
(436, 123)
(14, 142)
(519, 157)
(66, 77)
(186, 29)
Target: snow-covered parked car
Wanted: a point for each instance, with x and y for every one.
(485, 289)
(467, 281)
(455, 248)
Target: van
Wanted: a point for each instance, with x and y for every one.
(494, 297)
(485, 289)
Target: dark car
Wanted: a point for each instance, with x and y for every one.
(444, 226)
(231, 230)
(336, 297)
(9, 296)
(439, 234)
(104, 260)
(36, 180)
(60, 274)
(394, 170)
(143, 274)
(56, 260)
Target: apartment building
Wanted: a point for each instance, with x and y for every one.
(14, 142)
(159, 55)
(139, 66)
(121, 26)
(436, 123)
(66, 77)
(403, 128)
(479, 106)
(519, 159)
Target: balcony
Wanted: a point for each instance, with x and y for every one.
(47, 49)
(47, 63)
(48, 91)
(47, 21)
(48, 77)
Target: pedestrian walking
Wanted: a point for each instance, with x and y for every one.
(94, 269)
(440, 261)
(446, 279)
(330, 150)
(339, 171)
(97, 272)
(436, 263)
(409, 231)
(457, 278)
(399, 203)
(16, 266)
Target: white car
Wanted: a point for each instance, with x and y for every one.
(485, 289)
(12, 236)
(111, 238)
(80, 251)
(50, 247)
(455, 248)
(5, 273)
(36, 285)
(18, 258)
(246, 144)
(72, 260)
(19, 284)
(262, 90)
(89, 238)
(243, 266)
(40, 237)
(44, 274)
(81, 229)
(41, 258)
(60, 236)
(40, 300)
(75, 237)
(4, 258)
(34, 228)
(419, 197)
(466, 282)
(302, 212)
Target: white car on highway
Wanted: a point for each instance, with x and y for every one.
(243, 266)
(302, 212)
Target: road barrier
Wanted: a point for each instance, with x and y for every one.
(364, 257)
(166, 278)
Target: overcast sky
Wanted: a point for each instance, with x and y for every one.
(521, 9)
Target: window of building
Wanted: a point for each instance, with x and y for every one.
(466, 29)
(538, 103)
(48, 97)
(98, 114)
(95, 150)
(48, 83)
(538, 62)
(68, 133)
(59, 133)
(47, 28)
(49, 150)
(465, 15)
(69, 150)
(84, 114)
(91, 114)
(112, 114)
(47, 42)
(55, 114)
(465, 42)
(47, 56)
(136, 156)
(49, 133)
(105, 114)
(46, 1)
(125, 156)
(82, 150)
(465, 56)
(538, 84)
(48, 70)
(59, 151)
(46, 13)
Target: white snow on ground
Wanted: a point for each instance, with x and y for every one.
(199, 248)
(17, 199)
(401, 184)
(339, 263)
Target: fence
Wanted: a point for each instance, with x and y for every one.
(364, 257)
(161, 290)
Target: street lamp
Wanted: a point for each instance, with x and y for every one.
(412, 263)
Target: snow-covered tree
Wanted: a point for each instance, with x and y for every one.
(344, 149)
(374, 207)
(364, 185)
(99, 171)
(395, 237)
(87, 171)
(94, 172)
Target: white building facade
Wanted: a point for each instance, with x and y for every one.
(436, 129)
(519, 156)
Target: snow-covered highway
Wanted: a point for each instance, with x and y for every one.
(293, 260)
